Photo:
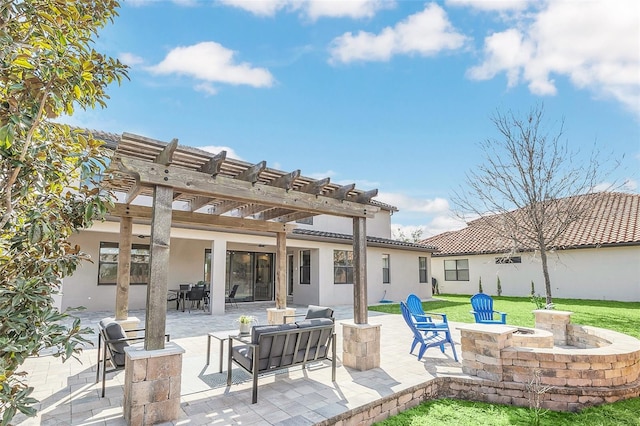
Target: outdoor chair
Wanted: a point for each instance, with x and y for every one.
(172, 296)
(231, 297)
(437, 334)
(420, 318)
(313, 312)
(483, 312)
(112, 340)
(196, 297)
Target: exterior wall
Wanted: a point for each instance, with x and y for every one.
(305, 293)
(607, 273)
(82, 289)
(379, 226)
(403, 273)
(187, 265)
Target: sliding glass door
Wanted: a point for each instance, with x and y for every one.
(253, 273)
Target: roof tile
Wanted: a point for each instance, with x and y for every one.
(614, 220)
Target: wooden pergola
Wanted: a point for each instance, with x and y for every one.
(221, 193)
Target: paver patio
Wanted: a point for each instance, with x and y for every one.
(69, 395)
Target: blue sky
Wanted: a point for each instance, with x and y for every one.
(393, 95)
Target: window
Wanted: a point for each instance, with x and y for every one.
(108, 266)
(207, 266)
(386, 277)
(422, 269)
(342, 267)
(512, 259)
(305, 267)
(456, 270)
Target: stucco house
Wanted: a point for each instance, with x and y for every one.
(598, 257)
(319, 253)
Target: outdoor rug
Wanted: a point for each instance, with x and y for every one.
(238, 375)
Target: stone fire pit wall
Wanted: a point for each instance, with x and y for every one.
(587, 366)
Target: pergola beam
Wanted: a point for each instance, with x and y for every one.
(195, 182)
(203, 219)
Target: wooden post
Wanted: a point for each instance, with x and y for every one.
(124, 268)
(360, 270)
(281, 270)
(158, 268)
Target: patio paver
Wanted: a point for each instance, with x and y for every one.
(69, 395)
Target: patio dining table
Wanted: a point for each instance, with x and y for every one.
(182, 298)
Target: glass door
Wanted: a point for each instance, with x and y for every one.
(253, 273)
(240, 272)
(264, 276)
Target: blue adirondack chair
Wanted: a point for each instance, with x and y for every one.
(483, 312)
(420, 318)
(437, 335)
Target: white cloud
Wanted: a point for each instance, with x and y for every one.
(593, 43)
(424, 33)
(408, 204)
(140, 3)
(314, 9)
(433, 225)
(206, 88)
(215, 149)
(211, 62)
(346, 8)
(491, 5)
(130, 59)
(322, 175)
(630, 185)
(261, 7)
(433, 214)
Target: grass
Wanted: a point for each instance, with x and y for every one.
(619, 316)
(452, 412)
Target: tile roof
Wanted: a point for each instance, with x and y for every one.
(373, 241)
(614, 220)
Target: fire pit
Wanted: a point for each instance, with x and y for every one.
(532, 338)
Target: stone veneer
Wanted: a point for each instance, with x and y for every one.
(361, 346)
(152, 384)
(588, 365)
(601, 366)
(276, 316)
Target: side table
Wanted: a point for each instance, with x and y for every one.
(221, 337)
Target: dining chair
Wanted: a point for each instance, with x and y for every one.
(231, 297)
(196, 296)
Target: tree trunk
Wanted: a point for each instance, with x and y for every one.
(545, 272)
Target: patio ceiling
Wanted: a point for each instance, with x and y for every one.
(226, 192)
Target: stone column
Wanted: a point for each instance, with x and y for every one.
(554, 321)
(482, 345)
(361, 346)
(275, 316)
(152, 384)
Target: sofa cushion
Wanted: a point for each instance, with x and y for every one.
(319, 312)
(316, 322)
(114, 331)
(257, 330)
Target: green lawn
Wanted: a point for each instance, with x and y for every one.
(619, 316)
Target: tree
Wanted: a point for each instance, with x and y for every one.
(531, 185)
(48, 174)
(414, 237)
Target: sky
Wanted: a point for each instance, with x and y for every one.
(389, 95)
